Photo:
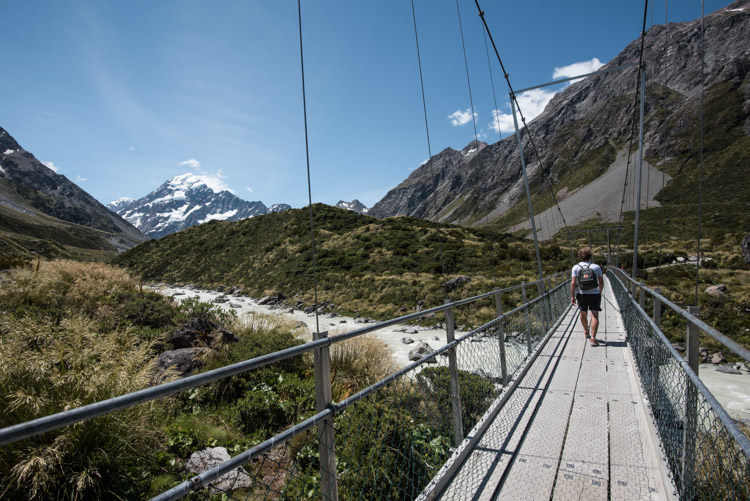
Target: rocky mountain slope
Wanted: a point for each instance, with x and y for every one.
(184, 201)
(586, 128)
(45, 212)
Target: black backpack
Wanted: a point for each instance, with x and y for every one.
(587, 278)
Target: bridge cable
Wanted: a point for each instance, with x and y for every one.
(633, 121)
(468, 82)
(429, 147)
(494, 101)
(523, 118)
(663, 179)
(700, 169)
(307, 156)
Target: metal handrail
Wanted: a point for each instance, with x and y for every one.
(214, 473)
(52, 422)
(723, 339)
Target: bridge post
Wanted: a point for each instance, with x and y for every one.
(657, 308)
(501, 338)
(526, 316)
(642, 296)
(691, 411)
(323, 399)
(609, 249)
(458, 425)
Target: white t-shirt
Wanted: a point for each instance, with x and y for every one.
(595, 268)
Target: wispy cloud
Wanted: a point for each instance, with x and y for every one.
(192, 163)
(51, 166)
(461, 117)
(132, 148)
(80, 179)
(533, 102)
(249, 189)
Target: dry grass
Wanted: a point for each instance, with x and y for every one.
(359, 362)
(53, 363)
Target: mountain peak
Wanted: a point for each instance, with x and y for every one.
(189, 181)
(355, 205)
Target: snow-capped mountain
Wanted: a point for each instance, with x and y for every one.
(355, 205)
(185, 201)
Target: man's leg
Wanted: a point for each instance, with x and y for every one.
(594, 323)
(585, 321)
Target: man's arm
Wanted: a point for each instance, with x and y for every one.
(601, 285)
(573, 290)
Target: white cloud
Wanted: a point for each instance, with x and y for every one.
(51, 166)
(580, 68)
(80, 179)
(460, 117)
(192, 163)
(132, 148)
(249, 189)
(533, 102)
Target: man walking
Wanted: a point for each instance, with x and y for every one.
(588, 282)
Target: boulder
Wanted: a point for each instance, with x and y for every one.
(745, 248)
(728, 369)
(420, 351)
(213, 456)
(188, 338)
(716, 290)
(407, 340)
(184, 361)
(718, 358)
(200, 332)
(452, 284)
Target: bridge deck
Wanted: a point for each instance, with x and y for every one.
(575, 428)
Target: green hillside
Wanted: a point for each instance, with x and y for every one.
(365, 265)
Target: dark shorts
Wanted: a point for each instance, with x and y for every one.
(589, 302)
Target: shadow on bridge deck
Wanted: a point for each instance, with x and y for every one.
(574, 428)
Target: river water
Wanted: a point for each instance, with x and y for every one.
(731, 390)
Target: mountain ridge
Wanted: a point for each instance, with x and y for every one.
(585, 128)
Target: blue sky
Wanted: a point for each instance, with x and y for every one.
(121, 96)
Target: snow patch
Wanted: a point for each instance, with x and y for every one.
(2, 171)
(8, 151)
(735, 10)
(221, 216)
(189, 181)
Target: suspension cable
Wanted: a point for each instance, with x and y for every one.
(700, 169)
(518, 106)
(635, 111)
(494, 101)
(466, 66)
(663, 175)
(307, 157)
(427, 131)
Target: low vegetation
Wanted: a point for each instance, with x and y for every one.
(75, 333)
(365, 266)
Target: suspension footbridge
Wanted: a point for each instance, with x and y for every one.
(521, 407)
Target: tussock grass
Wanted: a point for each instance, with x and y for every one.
(359, 362)
(46, 368)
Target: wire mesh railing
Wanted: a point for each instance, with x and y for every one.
(389, 440)
(707, 454)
